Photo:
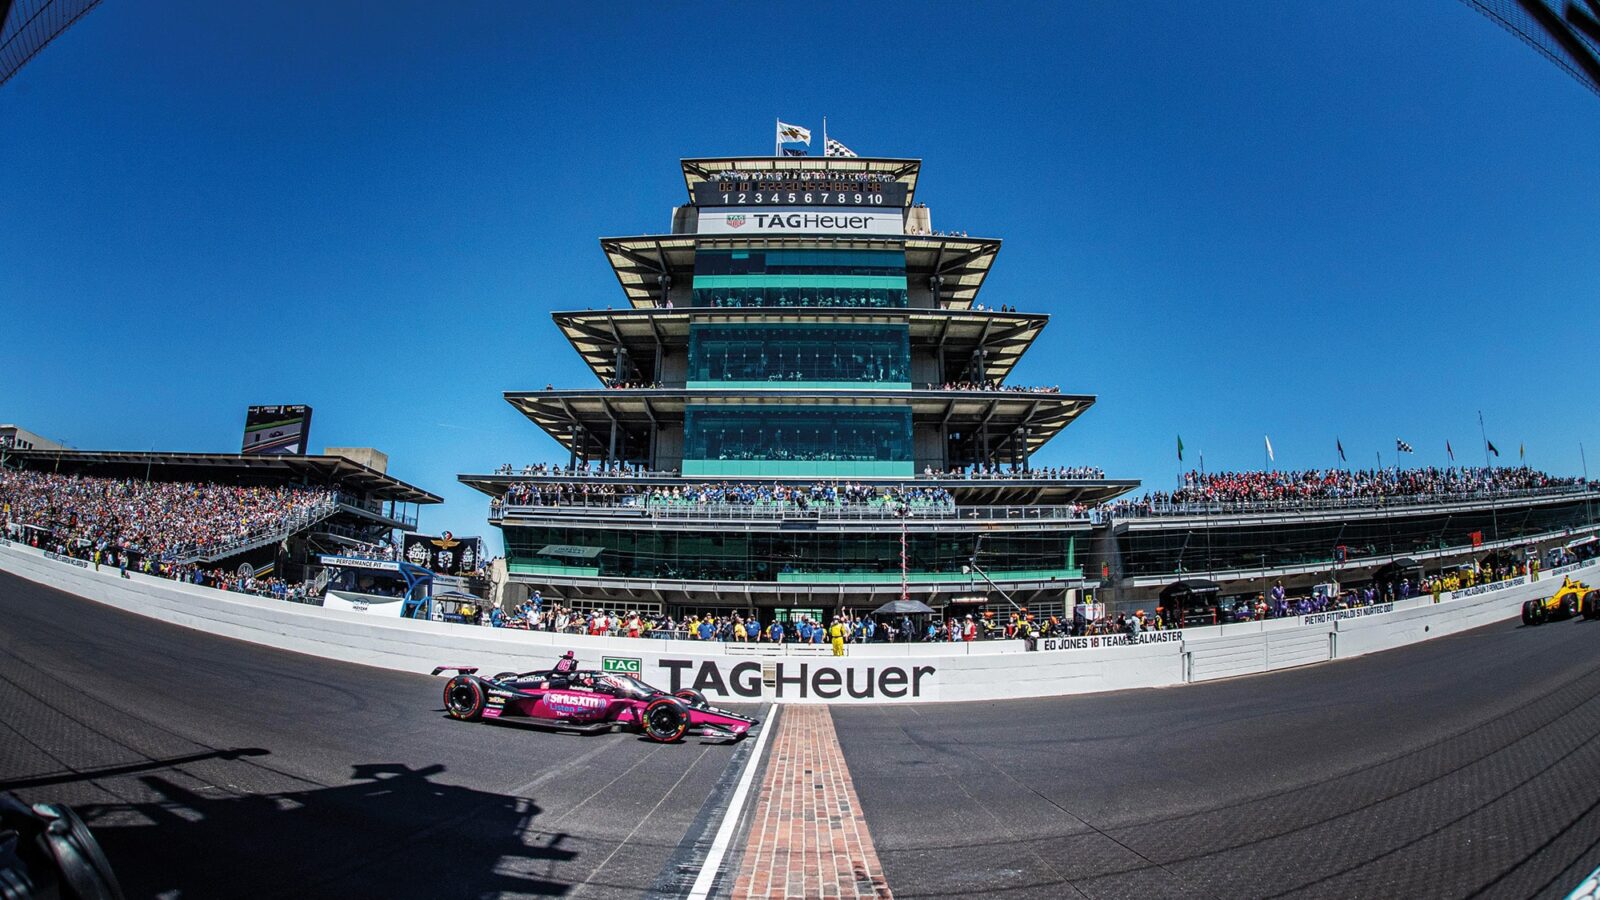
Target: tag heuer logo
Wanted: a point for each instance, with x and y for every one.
(625, 664)
(736, 221)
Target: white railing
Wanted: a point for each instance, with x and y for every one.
(277, 531)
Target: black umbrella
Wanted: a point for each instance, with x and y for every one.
(903, 607)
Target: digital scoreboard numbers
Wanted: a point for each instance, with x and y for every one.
(799, 192)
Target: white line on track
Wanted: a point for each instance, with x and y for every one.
(701, 888)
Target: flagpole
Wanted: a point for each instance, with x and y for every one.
(776, 143)
(824, 140)
(1494, 506)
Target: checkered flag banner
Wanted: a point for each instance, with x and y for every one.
(1402, 447)
(834, 148)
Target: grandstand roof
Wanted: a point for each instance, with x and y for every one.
(596, 334)
(904, 171)
(963, 262)
(321, 470)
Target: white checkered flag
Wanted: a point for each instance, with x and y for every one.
(834, 148)
(1402, 447)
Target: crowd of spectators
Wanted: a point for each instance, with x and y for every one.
(990, 472)
(827, 495)
(149, 519)
(1314, 486)
(999, 387)
(623, 385)
(818, 175)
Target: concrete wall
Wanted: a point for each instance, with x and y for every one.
(869, 674)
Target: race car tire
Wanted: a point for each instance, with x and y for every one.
(1569, 606)
(1590, 607)
(1532, 612)
(691, 697)
(463, 698)
(665, 720)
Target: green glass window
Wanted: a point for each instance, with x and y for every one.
(761, 355)
(863, 279)
(786, 557)
(797, 440)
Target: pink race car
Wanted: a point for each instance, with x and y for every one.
(575, 700)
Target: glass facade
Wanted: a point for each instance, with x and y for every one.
(815, 355)
(1220, 548)
(797, 440)
(786, 557)
(873, 279)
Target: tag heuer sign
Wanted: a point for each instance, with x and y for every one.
(736, 221)
(627, 665)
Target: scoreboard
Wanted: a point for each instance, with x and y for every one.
(799, 192)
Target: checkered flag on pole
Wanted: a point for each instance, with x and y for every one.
(1402, 447)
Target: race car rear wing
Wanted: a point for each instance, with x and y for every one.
(463, 670)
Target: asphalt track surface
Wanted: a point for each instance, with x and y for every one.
(1465, 766)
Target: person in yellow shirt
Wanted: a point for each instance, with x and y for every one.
(739, 632)
(836, 636)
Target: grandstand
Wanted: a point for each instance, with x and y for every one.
(26, 26)
(323, 504)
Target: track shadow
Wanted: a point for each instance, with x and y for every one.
(392, 831)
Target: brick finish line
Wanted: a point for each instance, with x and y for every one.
(808, 837)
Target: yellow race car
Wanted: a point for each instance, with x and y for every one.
(1572, 598)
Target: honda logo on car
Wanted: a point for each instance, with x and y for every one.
(626, 665)
(802, 681)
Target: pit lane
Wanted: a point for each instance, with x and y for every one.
(1457, 767)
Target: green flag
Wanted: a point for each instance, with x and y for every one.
(1180, 448)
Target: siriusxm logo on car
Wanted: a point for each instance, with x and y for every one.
(564, 702)
(800, 681)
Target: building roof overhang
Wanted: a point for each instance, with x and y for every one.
(1030, 418)
(597, 334)
(641, 262)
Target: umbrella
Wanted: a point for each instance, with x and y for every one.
(903, 607)
(1193, 589)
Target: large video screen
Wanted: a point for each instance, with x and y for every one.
(445, 554)
(276, 430)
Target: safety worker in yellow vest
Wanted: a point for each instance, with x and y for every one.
(836, 636)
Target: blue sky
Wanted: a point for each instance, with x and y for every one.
(1366, 220)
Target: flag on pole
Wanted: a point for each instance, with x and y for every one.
(1450, 451)
(1339, 445)
(1180, 448)
(831, 147)
(1402, 447)
(793, 134)
(1492, 448)
(1522, 451)
(794, 151)
(1270, 457)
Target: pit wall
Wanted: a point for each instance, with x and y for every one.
(988, 670)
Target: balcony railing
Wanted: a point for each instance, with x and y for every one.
(1141, 510)
(780, 512)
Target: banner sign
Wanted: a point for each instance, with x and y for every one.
(445, 554)
(70, 560)
(1096, 641)
(795, 192)
(1354, 612)
(627, 665)
(276, 430)
(1490, 587)
(799, 681)
(735, 220)
(356, 562)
